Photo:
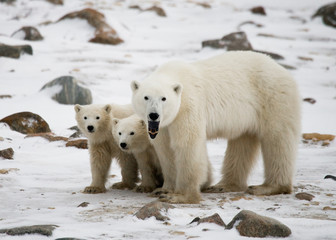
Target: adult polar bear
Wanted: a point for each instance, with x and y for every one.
(245, 97)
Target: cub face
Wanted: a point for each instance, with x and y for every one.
(156, 103)
(93, 120)
(130, 134)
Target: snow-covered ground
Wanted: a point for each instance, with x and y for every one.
(46, 187)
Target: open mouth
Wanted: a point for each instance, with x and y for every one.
(153, 129)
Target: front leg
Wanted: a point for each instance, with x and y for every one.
(100, 162)
(147, 171)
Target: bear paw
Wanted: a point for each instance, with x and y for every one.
(143, 189)
(159, 191)
(214, 189)
(268, 190)
(121, 185)
(179, 198)
(93, 190)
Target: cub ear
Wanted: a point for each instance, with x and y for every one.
(135, 85)
(178, 88)
(108, 108)
(115, 121)
(78, 107)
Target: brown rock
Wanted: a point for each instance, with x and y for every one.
(250, 224)
(26, 122)
(83, 204)
(5, 96)
(14, 51)
(232, 42)
(56, 2)
(154, 209)
(158, 10)
(327, 208)
(7, 153)
(104, 32)
(79, 143)
(211, 219)
(258, 10)
(30, 33)
(304, 196)
(49, 136)
(8, 170)
(318, 136)
(310, 100)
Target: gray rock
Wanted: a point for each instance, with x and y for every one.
(45, 230)
(215, 218)
(232, 42)
(250, 224)
(14, 51)
(153, 209)
(7, 153)
(304, 196)
(328, 14)
(71, 92)
(28, 33)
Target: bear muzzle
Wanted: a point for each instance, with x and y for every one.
(153, 128)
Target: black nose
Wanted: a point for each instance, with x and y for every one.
(153, 116)
(90, 128)
(123, 145)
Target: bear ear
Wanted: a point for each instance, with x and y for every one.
(115, 121)
(178, 88)
(78, 108)
(135, 85)
(108, 108)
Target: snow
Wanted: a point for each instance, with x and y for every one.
(47, 187)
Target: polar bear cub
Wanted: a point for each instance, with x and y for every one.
(94, 121)
(131, 135)
(245, 97)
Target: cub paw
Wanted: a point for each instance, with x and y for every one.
(94, 190)
(159, 191)
(121, 186)
(143, 189)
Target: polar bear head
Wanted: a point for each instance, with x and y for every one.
(156, 102)
(130, 134)
(94, 120)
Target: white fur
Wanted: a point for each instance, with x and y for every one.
(131, 133)
(94, 121)
(245, 97)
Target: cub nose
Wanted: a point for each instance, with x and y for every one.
(90, 128)
(123, 145)
(153, 116)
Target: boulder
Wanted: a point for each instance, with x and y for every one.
(7, 153)
(215, 218)
(250, 224)
(104, 32)
(232, 42)
(328, 14)
(71, 92)
(304, 196)
(45, 230)
(14, 51)
(258, 10)
(154, 209)
(26, 122)
(28, 33)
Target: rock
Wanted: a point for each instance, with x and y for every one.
(7, 1)
(104, 32)
(26, 122)
(45, 230)
(203, 4)
(28, 33)
(80, 143)
(5, 96)
(329, 208)
(258, 10)
(310, 100)
(77, 133)
(250, 224)
(8, 170)
(14, 51)
(275, 56)
(158, 10)
(330, 177)
(328, 14)
(232, 42)
(83, 204)
(7, 153)
(153, 209)
(71, 92)
(211, 219)
(304, 196)
(56, 2)
(318, 136)
(49, 136)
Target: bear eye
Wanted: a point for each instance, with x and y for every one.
(97, 117)
(132, 133)
(85, 117)
(119, 133)
(163, 99)
(146, 98)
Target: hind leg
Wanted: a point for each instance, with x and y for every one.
(240, 156)
(279, 153)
